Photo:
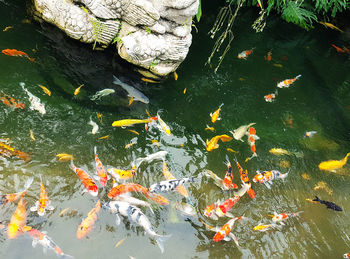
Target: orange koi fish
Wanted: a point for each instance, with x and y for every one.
(219, 182)
(5, 198)
(18, 220)
(213, 143)
(225, 230)
(8, 151)
(283, 216)
(269, 56)
(215, 115)
(119, 174)
(244, 54)
(286, 83)
(341, 50)
(210, 211)
(156, 198)
(251, 141)
(86, 179)
(168, 176)
(43, 203)
(270, 97)
(223, 207)
(46, 241)
(228, 180)
(11, 102)
(100, 170)
(267, 176)
(124, 188)
(245, 179)
(16, 53)
(86, 224)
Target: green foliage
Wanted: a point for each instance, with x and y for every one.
(148, 30)
(292, 12)
(332, 6)
(199, 12)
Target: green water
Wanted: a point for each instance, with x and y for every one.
(319, 101)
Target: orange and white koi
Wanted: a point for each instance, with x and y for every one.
(239, 133)
(286, 83)
(43, 203)
(46, 242)
(11, 102)
(215, 115)
(245, 180)
(270, 97)
(278, 218)
(269, 56)
(168, 176)
(86, 179)
(244, 54)
(251, 133)
(266, 177)
(346, 256)
(210, 211)
(309, 134)
(100, 170)
(86, 225)
(213, 143)
(5, 198)
(223, 207)
(120, 174)
(225, 230)
(18, 220)
(228, 180)
(125, 188)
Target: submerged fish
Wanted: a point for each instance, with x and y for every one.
(135, 215)
(16, 53)
(333, 165)
(164, 126)
(279, 151)
(309, 134)
(6, 198)
(35, 103)
(225, 230)
(130, 122)
(64, 157)
(47, 91)
(213, 143)
(329, 204)
(18, 220)
(158, 155)
(241, 131)
(77, 90)
(263, 228)
(168, 176)
(266, 177)
(102, 93)
(186, 209)
(86, 179)
(286, 83)
(278, 218)
(244, 54)
(43, 203)
(86, 224)
(132, 92)
(323, 185)
(101, 174)
(94, 126)
(169, 185)
(215, 115)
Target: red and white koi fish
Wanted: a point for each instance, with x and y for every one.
(225, 230)
(46, 242)
(278, 218)
(86, 179)
(244, 54)
(309, 134)
(346, 256)
(217, 180)
(210, 211)
(251, 140)
(223, 207)
(266, 177)
(18, 220)
(43, 203)
(228, 180)
(270, 97)
(245, 180)
(5, 198)
(86, 225)
(215, 115)
(100, 170)
(286, 83)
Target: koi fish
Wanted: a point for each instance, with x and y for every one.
(245, 180)
(132, 92)
(286, 83)
(130, 122)
(210, 128)
(101, 174)
(156, 198)
(102, 93)
(266, 177)
(225, 230)
(86, 224)
(9, 151)
(77, 90)
(17, 53)
(241, 131)
(168, 176)
(263, 228)
(129, 145)
(175, 76)
(279, 151)
(278, 218)
(346, 256)
(329, 25)
(329, 204)
(104, 137)
(228, 180)
(147, 80)
(134, 131)
(163, 125)
(6, 198)
(11, 102)
(125, 188)
(119, 174)
(223, 207)
(18, 220)
(269, 56)
(35, 103)
(215, 115)
(43, 203)
(47, 91)
(7, 28)
(333, 165)
(340, 50)
(186, 209)
(251, 133)
(323, 185)
(46, 242)
(135, 215)
(185, 90)
(210, 211)
(305, 176)
(218, 181)
(309, 134)
(213, 143)
(133, 201)
(64, 157)
(244, 54)
(149, 158)
(169, 185)
(99, 116)
(270, 97)
(31, 134)
(120, 242)
(94, 126)
(86, 179)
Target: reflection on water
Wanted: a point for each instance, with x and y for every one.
(318, 101)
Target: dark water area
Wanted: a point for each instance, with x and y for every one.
(318, 101)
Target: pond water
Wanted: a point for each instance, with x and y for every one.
(318, 101)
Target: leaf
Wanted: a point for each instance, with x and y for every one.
(199, 12)
(292, 12)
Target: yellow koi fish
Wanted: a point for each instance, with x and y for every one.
(129, 145)
(279, 151)
(215, 115)
(324, 186)
(64, 157)
(99, 116)
(264, 227)
(47, 91)
(210, 128)
(185, 90)
(31, 135)
(130, 122)
(144, 79)
(175, 76)
(164, 126)
(76, 92)
(213, 143)
(134, 131)
(104, 137)
(120, 242)
(333, 165)
(305, 176)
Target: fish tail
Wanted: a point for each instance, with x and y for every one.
(221, 105)
(95, 150)
(28, 183)
(116, 80)
(160, 241)
(316, 199)
(65, 256)
(227, 161)
(297, 76)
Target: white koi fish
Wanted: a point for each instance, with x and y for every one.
(132, 92)
(94, 126)
(164, 126)
(151, 157)
(35, 103)
(241, 131)
(102, 93)
(135, 215)
(133, 201)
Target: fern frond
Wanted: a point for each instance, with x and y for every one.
(294, 13)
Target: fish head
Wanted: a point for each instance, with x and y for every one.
(41, 211)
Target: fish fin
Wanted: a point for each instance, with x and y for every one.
(218, 119)
(234, 238)
(227, 238)
(28, 183)
(316, 199)
(83, 191)
(241, 140)
(117, 219)
(282, 223)
(150, 207)
(34, 208)
(211, 114)
(35, 242)
(267, 185)
(96, 177)
(214, 217)
(160, 241)
(49, 207)
(228, 214)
